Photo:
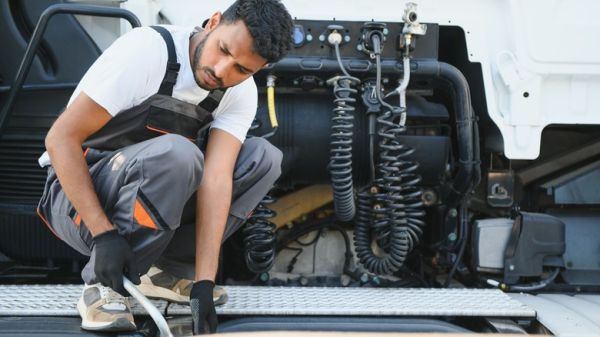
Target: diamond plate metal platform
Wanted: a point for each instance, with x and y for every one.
(60, 300)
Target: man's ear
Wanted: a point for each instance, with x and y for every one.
(213, 22)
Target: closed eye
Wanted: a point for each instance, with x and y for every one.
(243, 70)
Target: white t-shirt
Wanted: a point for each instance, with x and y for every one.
(133, 67)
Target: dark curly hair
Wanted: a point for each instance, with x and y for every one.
(269, 23)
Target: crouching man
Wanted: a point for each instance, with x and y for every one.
(129, 183)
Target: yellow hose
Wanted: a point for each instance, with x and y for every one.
(271, 106)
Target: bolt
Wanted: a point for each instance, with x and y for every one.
(511, 267)
(359, 47)
(374, 190)
(452, 237)
(309, 37)
(453, 213)
(303, 281)
(264, 277)
(345, 280)
(429, 197)
(322, 38)
(385, 31)
(376, 280)
(377, 207)
(296, 82)
(364, 278)
(347, 38)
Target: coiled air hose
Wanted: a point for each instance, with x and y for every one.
(390, 210)
(259, 238)
(259, 232)
(340, 164)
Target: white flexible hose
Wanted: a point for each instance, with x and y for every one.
(405, 79)
(160, 321)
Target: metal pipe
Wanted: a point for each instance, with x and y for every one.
(36, 38)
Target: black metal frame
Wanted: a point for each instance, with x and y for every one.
(36, 38)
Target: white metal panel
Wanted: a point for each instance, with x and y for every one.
(564, 315)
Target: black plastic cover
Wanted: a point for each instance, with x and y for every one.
(533, 238)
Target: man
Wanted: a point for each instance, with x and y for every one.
(130, 201)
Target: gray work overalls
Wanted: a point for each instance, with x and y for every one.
(146, 165)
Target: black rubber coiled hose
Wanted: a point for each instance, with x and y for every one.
(259, 238)
(340, 165)
(392, 213)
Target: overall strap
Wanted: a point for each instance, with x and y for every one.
(168, 82)
(210, 103)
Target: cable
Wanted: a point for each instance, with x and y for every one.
(535, 286)
(463, 234)
(320, 224)
(342, 125)
(392, 214)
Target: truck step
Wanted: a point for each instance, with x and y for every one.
(60, 300)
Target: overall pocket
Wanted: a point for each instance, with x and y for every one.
(170, 115)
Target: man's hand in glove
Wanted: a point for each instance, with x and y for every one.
(114, 259)
(204, 316)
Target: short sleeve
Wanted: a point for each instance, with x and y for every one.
(128, 72)
(237, 109)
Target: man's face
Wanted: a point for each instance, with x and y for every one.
(224, 57)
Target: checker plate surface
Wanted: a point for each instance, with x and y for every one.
(60, 300)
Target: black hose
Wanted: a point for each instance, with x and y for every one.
(469, 171)
(392, 214)
(340, 164)
(259, 238)
(535, 286)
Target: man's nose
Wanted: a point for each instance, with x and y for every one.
(222, 68)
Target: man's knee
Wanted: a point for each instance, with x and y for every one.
(179, 153)
(270, 156)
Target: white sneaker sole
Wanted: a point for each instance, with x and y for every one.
(120, 324)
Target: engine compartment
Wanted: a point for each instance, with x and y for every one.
(393, 176)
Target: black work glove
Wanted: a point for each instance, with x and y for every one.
(114, 259)
(204, 316)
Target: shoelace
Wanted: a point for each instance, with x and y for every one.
(113, 299)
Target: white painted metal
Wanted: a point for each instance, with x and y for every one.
(564, 315)
(539, 58)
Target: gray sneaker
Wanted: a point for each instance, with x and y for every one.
(158, 284)
(103, 309)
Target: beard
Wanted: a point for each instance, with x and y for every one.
(196, 64)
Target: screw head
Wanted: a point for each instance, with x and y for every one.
(309, 37)
(347, 38)
(321, 37)
(453, 212)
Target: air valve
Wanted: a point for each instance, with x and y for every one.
(335, 35)
(368, 32)
(412, 28)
